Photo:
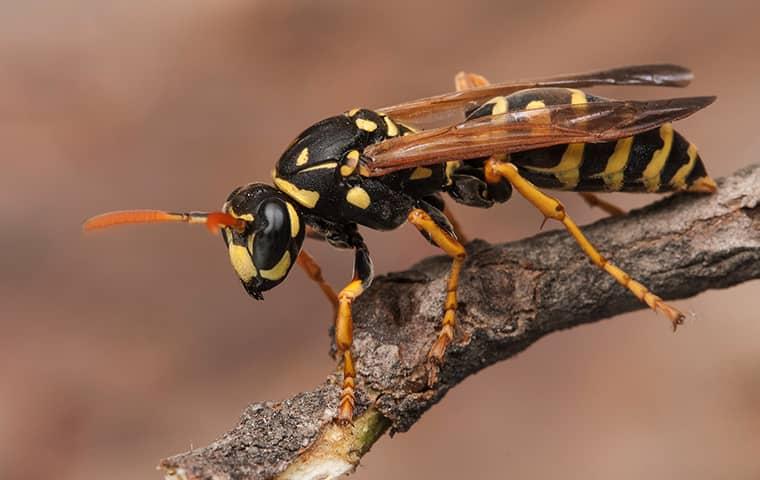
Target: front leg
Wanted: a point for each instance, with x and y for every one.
(344, 329)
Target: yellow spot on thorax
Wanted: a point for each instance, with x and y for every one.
(358, 197)
(651, 175)
(366, 125)
(319, 166)
(679, 178)
(390, 127)
(420, 173)
(307, 198)
(353, 112)
(295, 223)
(280, 269)
(303, 157)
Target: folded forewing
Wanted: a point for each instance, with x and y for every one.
(521, 130)
(451, 107)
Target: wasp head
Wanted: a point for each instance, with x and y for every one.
(265, 245)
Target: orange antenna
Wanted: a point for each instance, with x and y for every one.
(213, 220)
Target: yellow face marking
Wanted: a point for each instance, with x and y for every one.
(651, 175)
(499, 105)
(420, 173)
(303, 157)
(241, 262)
(307, 198)
(535, 104)
(358, 197)
(320, 166)
(679, 178)
(353, 155)
(615, 169)
(366, 125)
(295, 223)
(279, 270)
(248, 217)
(391, 127)
(353, 112)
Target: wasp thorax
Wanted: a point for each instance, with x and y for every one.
(263, 252)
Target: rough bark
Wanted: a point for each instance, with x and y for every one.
(510, 295)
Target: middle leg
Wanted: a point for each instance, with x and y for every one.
(441, 237)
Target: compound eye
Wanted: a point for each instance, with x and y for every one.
(272, 238)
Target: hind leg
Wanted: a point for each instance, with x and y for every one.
(550, 207)
(593, 200)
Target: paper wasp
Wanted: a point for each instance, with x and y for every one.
(382, 168)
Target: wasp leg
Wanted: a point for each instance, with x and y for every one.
(344, 327)
(593, 200)
(463, 81)
(551, 208)
(443, 239)
(314, 272)
(467, 81)
(455, 225)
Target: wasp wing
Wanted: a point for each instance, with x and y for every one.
(521, 130)
(451, 107)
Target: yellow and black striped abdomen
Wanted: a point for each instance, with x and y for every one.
(659, 160)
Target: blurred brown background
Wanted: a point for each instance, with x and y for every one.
(119, 348)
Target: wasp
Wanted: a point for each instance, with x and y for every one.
(383, 168)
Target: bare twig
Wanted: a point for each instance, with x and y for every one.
(511, 295)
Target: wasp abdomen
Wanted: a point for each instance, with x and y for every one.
(659, 160)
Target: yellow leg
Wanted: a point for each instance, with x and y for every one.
(464, 81)
(467, 81)
(594, 201)
(344, 328)
(454, 249)
(552, 208)
(314, 272)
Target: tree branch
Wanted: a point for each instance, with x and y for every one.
(510, 296)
